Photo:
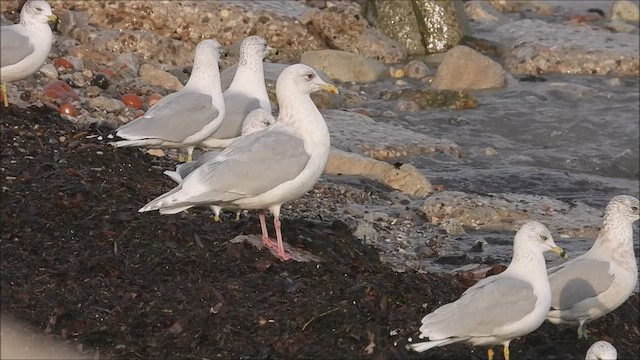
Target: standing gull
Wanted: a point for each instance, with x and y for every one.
(186, 117)
(499, 308)
(246, 92)
(598, 282)
(24, 47)
(601, 350)
(267, 168)
(257, 120)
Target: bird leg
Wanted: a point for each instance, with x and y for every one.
(276, 248)
(266, 241)
(238, 215)
(582, 331)
(281, 253)
(215, 217)
(5, 99)
(505, 351)
(490, 354)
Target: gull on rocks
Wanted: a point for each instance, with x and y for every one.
(267, 168)
(24, 47)
(502, 307)
(186, 117)
(601, 350)
(246, 92)
(598, 282)
(257, 120)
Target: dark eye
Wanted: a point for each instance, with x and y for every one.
(543, 237)
(634, 208)
(310, 76)
(39, 8)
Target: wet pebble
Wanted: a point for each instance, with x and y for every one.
(49, 70)
(63, 64)
(58, 89)
(67, 109)
(132, 100)
(92, 91)
(416, 69)
(407, 106)
(108, 104)
(153, 98)
(489, 151)
(100, 80)
(426, 252)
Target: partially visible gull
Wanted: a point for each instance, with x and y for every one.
(601, 350)
(257, 120)
(267, 168)
(186, 117)
(499, 308)
(24, 47)
(598, 282)
(246, 92)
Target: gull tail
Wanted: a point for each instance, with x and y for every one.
(173, 175)
(168, 203)
(426, 345)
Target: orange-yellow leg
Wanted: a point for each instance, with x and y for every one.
(490, 354)
(5, 99)
(505, 351)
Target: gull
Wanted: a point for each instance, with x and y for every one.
(267, 168)
(598, 282)
(499, 308)
(257, 120)
(186, 117)
(246, 92)
(601, 350)
(24, 47)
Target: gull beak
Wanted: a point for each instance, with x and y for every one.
(272, 51)
(329, 88)
(52, 18)
(558, 250)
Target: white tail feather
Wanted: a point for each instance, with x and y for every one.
(173, 175)
(426, 345)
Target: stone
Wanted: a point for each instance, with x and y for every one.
(158, 77)
(625, 10)
(126, 64)
(480, 10)
(71, 20)
(439, 25)
(107, 104)
(431, 98)
(416, 69)
(507, 212)
(620, 26)
(464, 68)
(365, 231)
(405, 178)
(49, 70)
(344, 66)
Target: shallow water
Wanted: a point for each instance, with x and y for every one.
(575, 138)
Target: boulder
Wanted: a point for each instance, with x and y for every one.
(345, 66)
(466, 69)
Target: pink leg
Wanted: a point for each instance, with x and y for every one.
(281, 253)
(265, 233)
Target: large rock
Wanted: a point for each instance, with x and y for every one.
(345, 66)
(536, 46)
(625, 10)
(423, 26)
(466, 69)
(500, 212)
(405, 178)
(158, 77)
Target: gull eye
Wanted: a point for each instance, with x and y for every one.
(543, 237)
(310, 76)
(39, 9)
(634, 208)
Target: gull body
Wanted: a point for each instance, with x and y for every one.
(257, 120)
(498, 308)
(267, 168)
(24, 47)
(186, 117)
(247, 92)
(598, 282)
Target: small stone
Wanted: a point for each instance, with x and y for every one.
(153, 98)
(67, 109)
(100, 80)
(224, 13)
(426, 252)
(625, 10)
(407, 105)
(62, 64)
(489, 151)
(158, 77)
(58, 89)
(416, 69)
(614, 82)
(92, 91)
(107, 104)
(132, 100)
(156, 152)
(49, 70)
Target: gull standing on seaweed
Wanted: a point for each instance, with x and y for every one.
(598, 282)
(24, 47)
(186, 117)
(499, 308)
(267, 168)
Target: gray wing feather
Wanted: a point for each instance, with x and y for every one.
(251, 166)
(237, 107)
(481, 310)
(13, 46)
(187, 168)
(581, 279)
(174, 118)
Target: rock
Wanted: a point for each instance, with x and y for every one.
(365, 231)
(489, 151)
(506, 5)
(479, 10)
(620, 26)
(569, 91)
(107, 104)
(71, 20)
(126, 64)
(430, 99)
(49, 70)
(342, 27)
(157, 77)
(625, 10)
(536, 46)
(506, 212)
(452, 227)
(406, 178)
(466, 69)
(426, 252)
(351, 131)
(344, 66)
(416, 69)
(440, 24)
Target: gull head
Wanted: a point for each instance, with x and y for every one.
(304, 79)
(208, 52)
(255, 47)
(538, 236)
(601, 350)
(623, 207)
(37, 11)
(256, 120)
